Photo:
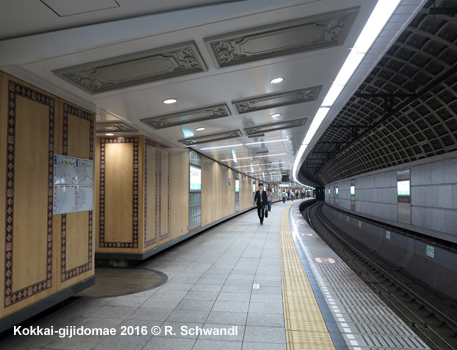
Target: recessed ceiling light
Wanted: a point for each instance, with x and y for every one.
(275, 115)
(200, 129)
(170, 101)
(276, 80)
(109, 134)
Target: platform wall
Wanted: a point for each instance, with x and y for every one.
(413, 256)
(433, 196)
(143, 194)
(43, 253)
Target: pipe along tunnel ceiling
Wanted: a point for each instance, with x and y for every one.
(405, 110)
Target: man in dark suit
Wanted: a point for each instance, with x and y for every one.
(260, 200)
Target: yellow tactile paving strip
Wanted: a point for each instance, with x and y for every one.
(305, 326)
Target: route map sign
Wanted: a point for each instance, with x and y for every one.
(73, 184)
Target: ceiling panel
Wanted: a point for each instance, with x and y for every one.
(280, 39)
(134, 69)
(45, 15)
(125, 61)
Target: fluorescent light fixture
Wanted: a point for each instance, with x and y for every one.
(271, 163)
(297, 159)
(252, 168)
(271, 155)
(276, 80)
(109, 134)
(170, 101)
(376, 22)
(227, 160)
(200, 129)
(237, 145)
(247, 166)
(256, 143)
(275, 115)
(332, 95)
(317, 120)
(348, 68)
(234, 156)
(374, 25)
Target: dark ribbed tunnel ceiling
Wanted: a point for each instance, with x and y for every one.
(405, 110)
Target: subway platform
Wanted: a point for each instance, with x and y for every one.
(238, 285)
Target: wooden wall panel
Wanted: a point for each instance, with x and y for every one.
(120, 188)
(179, 192)
(207, 187)
(184, 188)
(164, 196)
(216, 193)
(118, 194)
(230, 207)
(151, 195)
(28, 141)
(76, 230)
(30, 192)
(247, 194)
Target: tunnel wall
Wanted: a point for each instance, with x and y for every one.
(432, 199)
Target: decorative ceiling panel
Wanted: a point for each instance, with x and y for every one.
(71, 8)
(190, 141)
(134, 69)
(115, 126)
(275, 126)
(186, 117)
(267, 101)
(285, 38)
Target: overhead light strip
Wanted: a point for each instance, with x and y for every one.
(256, 143)
(270, 155)
(376, 22)
(241, 144)
(237, 145)
(228, 160)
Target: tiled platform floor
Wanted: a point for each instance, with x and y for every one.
(210, 284)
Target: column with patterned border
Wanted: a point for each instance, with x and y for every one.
(76, 271)
(166, 234)
(148, 243)
(14, 90)
(134, 242)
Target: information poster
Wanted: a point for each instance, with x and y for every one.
(64, 170)
(64, 199)
(73, 184)
(84, 198)
(84, 172)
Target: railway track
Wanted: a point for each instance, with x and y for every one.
(434, 327)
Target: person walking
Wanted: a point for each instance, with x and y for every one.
(260, 200)
(269, 199)
(284, 196)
